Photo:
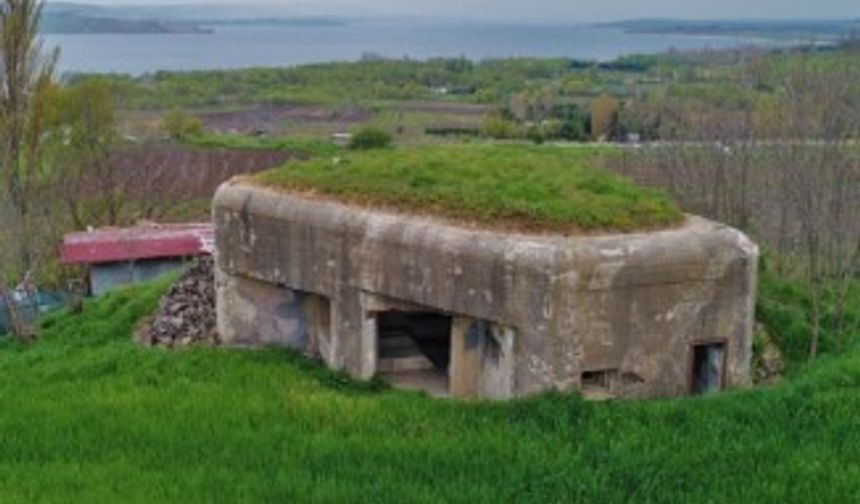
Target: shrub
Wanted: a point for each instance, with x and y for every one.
(180, 126)
(604, 117)
(499, 128)
(445, 131)
(370, 138)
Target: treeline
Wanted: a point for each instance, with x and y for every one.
(376, 78)
(751, 91)
(639, 97)
(780, 161)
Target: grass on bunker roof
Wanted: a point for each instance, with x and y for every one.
(522, 187)
(88, 416)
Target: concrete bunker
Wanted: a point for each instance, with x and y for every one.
(414, 349)
(708, 367)
(474, 313)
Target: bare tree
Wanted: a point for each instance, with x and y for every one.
(783, 168)
(26, 78)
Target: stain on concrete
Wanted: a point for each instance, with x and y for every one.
(556, 306)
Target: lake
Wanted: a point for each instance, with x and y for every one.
(233, 47)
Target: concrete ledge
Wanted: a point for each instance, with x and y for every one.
(630, 306)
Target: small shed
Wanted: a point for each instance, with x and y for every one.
(122, 256)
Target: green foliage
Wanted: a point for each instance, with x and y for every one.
(87, 109)
(87, 118)
(452, 131)
(500, 128)
(527, 187)
(369, 138)
(784, 307)
(667, 86)
(369, 80)
(181, 126)
(573, 123)
(88, 416)
(307, 147)
(604, 117)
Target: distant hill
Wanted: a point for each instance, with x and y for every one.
(299, 21)
(820, 29)
(212, 11)
(77, 23)
(71, 18)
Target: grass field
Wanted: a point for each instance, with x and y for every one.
(305, 147)
(87, 416)
(526, 187)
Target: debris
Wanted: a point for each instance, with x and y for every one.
(186, 316)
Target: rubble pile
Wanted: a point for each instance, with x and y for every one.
(186, 315)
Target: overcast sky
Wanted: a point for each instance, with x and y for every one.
(563, 11)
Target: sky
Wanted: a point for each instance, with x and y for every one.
(567, 11)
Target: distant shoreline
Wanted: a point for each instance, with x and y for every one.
(767, 30)
(77, 24)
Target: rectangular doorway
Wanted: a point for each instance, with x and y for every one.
(708, 370)
(414, 350)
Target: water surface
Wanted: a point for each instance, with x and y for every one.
(233, 47)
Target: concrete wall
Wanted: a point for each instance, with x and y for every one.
(555, 307)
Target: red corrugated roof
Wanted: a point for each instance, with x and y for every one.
(154, 241)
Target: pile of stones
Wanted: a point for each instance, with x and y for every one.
(186, 315)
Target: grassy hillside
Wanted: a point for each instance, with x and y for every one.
(87, 416)
(531, 188)
(239, 142)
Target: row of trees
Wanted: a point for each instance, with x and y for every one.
(64, 164)
(541, 117)
(742, 86)
(787, 170)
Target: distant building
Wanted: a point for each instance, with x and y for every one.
(341, 139)
(118, 257)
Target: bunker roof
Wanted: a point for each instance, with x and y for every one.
(523, 188)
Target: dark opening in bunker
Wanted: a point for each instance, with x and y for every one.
(599, 384)
(709, 367)
(319, 308)
(414, 350)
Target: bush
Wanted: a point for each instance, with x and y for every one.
(536, 135)
(446, 131)
(180, 126)
(499, 128)
(370, 138)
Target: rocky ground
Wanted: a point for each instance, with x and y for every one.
(186, 315)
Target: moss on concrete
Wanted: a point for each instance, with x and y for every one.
(527, 188)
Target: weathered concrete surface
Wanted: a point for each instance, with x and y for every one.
(554, 307)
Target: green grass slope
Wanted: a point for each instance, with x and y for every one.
(524, 187)
(87, 416)
(305, 147)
